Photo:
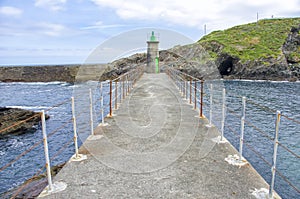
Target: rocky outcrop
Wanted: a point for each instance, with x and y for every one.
(32, 187)
(192, 59)
(15, 121)
(291, 47)
(284, 67)
(278, 66)
(123, 65)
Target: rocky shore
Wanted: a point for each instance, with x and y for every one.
(15, 121)
(32, 187)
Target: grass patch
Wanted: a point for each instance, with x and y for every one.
(251, 41)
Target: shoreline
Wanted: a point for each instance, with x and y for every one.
(69, 74)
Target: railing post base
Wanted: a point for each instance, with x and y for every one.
(78, 157)
(57, 187)
(94, 137)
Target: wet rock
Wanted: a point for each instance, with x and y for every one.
(15, 121)
(32, 187)
(291, 47)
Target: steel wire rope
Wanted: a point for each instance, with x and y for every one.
(259, 130)
(233, 112)
(18, 123)
(21, 155)
(27, 182)
(289, 150)
(286, 179)
(57, 105)
(258, 154)
(265, 108)
(62, 149)
(291, 119)
(59, 128)
(33, 146)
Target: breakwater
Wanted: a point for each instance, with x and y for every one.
(65, 73)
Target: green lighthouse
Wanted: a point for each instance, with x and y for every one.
(152, 54)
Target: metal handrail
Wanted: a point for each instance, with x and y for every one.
(180, 79)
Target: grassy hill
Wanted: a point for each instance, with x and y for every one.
(252, 41)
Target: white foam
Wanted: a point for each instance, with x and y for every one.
(36, 83)
(262, 193)
(29, 107)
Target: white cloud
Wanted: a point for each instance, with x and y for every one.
(10, 11)
(54, 5)
(51, 29)
(194, 13)
(101, 25)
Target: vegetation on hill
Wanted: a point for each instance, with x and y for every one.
(252, 41)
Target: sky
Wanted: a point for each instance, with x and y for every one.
(42, 32)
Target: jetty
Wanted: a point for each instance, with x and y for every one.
(155, 145)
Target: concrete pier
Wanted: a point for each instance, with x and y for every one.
(156, 146)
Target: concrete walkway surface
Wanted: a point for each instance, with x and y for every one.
(156, 146)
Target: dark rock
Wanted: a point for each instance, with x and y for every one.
(123, 65)
(15, 121)
(32, 187)
(291, 47)
(226, 64)
(191, 59)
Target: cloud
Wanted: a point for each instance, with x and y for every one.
(51, 29)
(10, 11)
(194, 13)
(100, 25)
(54, 5)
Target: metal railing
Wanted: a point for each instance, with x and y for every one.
(187, 86)
(189, 89)
(115, 90)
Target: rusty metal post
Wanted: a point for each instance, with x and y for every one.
(123, 87)
(186, 89)
(211, 105)
(201, 99)
(91, 112)
(116, 94)
(127, 81)
(190, 91)
(101, 102)
(110, 98)
(195, 97)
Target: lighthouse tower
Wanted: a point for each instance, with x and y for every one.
(152, 54)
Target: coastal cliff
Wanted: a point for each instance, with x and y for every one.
(268, 50)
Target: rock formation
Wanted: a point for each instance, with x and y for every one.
(11, 121)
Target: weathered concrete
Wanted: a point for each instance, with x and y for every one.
(155, 147)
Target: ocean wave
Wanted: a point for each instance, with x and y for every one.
(37, 83)
(30, 107)
(259, 80)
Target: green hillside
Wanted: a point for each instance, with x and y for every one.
(251, 41)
